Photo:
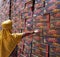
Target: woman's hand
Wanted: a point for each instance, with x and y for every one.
(36, 31)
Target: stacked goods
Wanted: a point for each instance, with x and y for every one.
(51, 5)
(42, 22)
(28, 15)
(39, 3)
(55, 20)
(4, 11)
(54, 50)
(40, 49)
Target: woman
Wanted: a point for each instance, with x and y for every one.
(9, 40)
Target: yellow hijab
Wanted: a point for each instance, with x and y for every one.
(8, 41)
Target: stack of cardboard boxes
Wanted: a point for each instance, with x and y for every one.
(45, 17)
(28, 15)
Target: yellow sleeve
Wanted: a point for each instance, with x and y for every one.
(8, 43)
(17, 37)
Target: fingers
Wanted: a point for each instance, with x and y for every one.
(36, 31)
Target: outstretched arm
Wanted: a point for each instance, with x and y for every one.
(19, 36)
(27, 33)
